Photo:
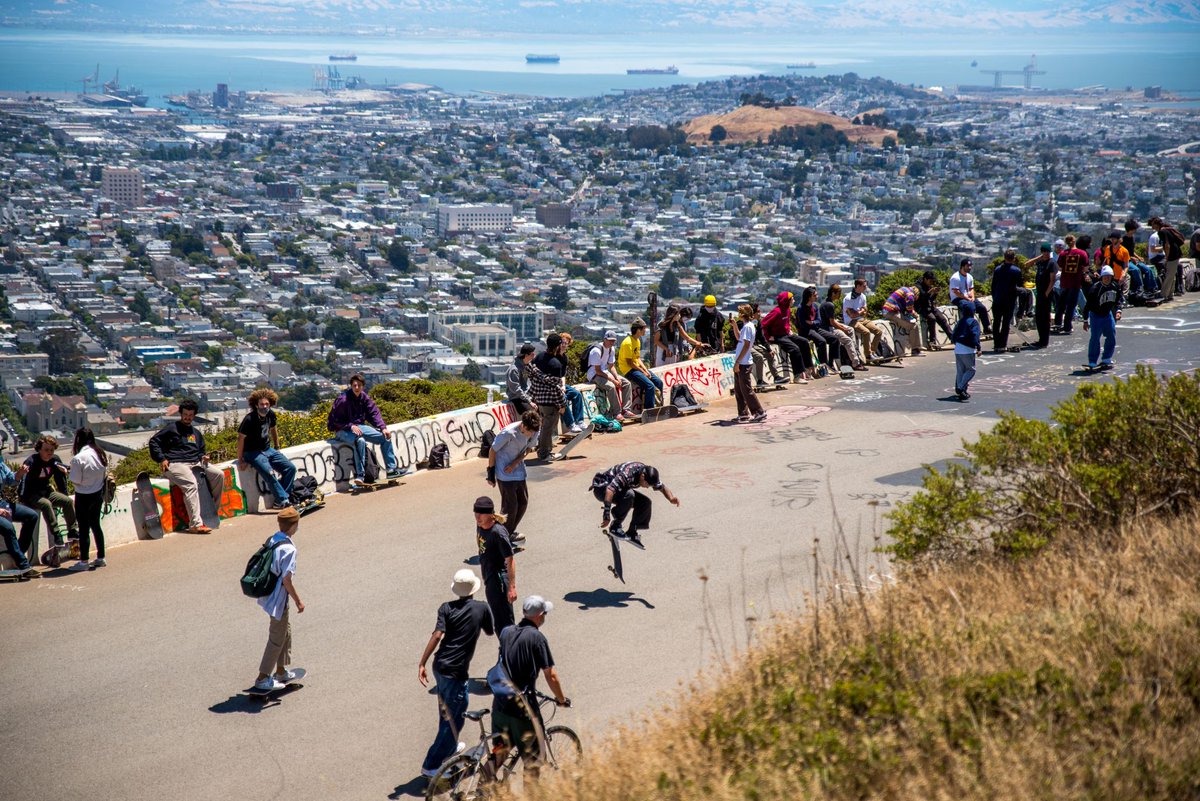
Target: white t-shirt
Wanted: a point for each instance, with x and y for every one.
(961, 285)
(283, 563)
(746, 340)
(1155, 246)
(600, 360)
(851, 303)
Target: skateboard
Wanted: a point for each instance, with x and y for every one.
(759, 389)
(1097, 369)
(286, 688)
(17, 575)
(656, 413)
(209, 515)
(615, 568)
(312, 506)
(378, 483)
(151, 522)
(684, 411)
(57, 554)
(845, 372)
(565, 451)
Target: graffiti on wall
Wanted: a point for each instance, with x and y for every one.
(173, 512)
(703, 378)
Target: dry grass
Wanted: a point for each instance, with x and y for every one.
(1075, 674)
(750, 123)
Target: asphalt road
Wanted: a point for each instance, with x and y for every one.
(128, 682)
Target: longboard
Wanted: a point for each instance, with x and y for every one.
(580, 437)
(209, 515)
(151, 522)
(374, 485)
(845, 372)
(288, 687)
(656, 413)
(57, 554)
(18, 575)
(615, 568)
(684, 411)
(311, 506)
(759, 389)
(1098, 368)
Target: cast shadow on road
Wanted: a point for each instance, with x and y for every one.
(413, 787)
(249, 704)
(604, 599)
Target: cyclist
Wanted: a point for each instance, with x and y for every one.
(525, 653)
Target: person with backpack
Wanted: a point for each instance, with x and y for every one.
(44, 487)
(1005, 280)
(516, 713)
(355, 420)
(12, 514)
(599, 366)
(516, 380)
(747, 401)
(506, 466)
(1172, 245)
(968, 343)
(1101, 314)
(273, 672)
(497, 562)
(616, 488)
(89, 472)
(710, 325)
(455, 635)
(258, 446)
(1072, 266)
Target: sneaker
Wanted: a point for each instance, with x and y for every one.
(397, 473)
(554, 457)
(799, 380)
(99, 562)
(860, 367)
(201, 529)
(285, 676)
(516, 549)
(279, 505)
(267, 684)
(617, 532)
(516, 536)
(80, 566)
(1091, 366)
(761, 387)
(357, 482)
(966, 396)
(743, 418)
(781, 381)
(575, 429)
(758, 418)
(429, 773)
(635, 540)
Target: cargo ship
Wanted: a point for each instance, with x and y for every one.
(542, 58)
(807, 65)
(671, 70)
(344, 57)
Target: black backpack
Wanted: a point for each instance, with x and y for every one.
(583, 358)
(682, 397)
(371, 467)
(439, 456)
(485, 445)
(258, 581)
(304, 489)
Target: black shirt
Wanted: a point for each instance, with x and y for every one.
(460, 622)
(177, 443)
(494, 550)
(526, 653)
(43, 478)
(257, 431)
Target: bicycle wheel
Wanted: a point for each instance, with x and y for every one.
(459, 779)
(563, 747)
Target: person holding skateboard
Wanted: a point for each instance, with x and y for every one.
(506, 465)
(179, 448)
(496, 561)
(455, 635)
(10, 515)
(616, 489)
(355, 420)
(1100, 314)
(273, 672)
(258, 446)
(743, 361)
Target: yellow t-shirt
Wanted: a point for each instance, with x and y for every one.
(631, 351)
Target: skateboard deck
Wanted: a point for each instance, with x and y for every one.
(374, 485)
(209, 515)
(57, 554)
(656, 413)
(288, 687)
(575, 440)
(846, 372)
(1098, 368)
(311, 506)
(615, 568)
(17, 575)
(770, 387)
(151, 522)
(684, 411)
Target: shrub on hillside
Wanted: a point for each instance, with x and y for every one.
(1111, 454)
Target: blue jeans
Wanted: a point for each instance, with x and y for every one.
(574, 413)
(29, 519)
(373, 436)
(269, 462)
(1103, 325)
(452, 705)
(648, 384)
(1142, 278)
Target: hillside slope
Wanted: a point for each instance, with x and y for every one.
(749, 123)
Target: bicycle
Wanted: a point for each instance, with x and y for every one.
(466, 776)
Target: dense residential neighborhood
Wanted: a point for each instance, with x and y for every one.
(255, 240)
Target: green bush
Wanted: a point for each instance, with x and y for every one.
(398, 401)
(1111, 454)
(890, 283)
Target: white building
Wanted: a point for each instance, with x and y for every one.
(474, 219)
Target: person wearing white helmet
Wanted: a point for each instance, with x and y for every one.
(459, 624)
(1100, 314)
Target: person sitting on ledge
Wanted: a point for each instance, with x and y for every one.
(179, 448)
(355, 420)
(258, 445)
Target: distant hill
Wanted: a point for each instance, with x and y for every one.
(749, 123)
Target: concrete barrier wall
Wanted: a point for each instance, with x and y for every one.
(710, 379)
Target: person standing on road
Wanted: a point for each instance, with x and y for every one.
(1046, 266)
(1005, 280)
(968, 343)
(10, 515)
(497, 562)
(179, 450)
(258, 446)
(1101, 314)
(547, 373)
(525, 653)
(1072, 265)
(273, 672)
(355, 420)
(506, 465)
(455, 635)
(516, 380)
(89, 469)
(743, 360)
(1172, 245)
(616, 489)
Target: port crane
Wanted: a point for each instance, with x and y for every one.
(93, 80)
(1028, 71)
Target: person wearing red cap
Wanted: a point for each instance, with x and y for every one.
(777, 329)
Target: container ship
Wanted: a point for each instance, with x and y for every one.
(344, 57)
(542, 58)
(807, 65)
(671, 70)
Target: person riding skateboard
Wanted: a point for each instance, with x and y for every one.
(273, 672)
(615, 488)
(179, 448)
(497, 562)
